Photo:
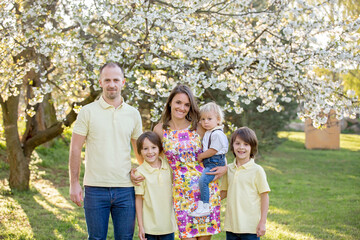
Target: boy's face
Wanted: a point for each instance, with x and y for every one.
(242, 149)
(209, 120)
(150, 152)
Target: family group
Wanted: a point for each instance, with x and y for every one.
(183, 173)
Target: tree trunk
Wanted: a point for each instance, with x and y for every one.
(19, 163)
(19, 152)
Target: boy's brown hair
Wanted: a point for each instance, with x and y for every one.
(247, 135)
(153, 137)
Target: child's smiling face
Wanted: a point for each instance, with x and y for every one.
(150, 152)
(242, 150)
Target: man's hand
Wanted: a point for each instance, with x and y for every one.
(136, 179)
(218, 172)
(76, 194)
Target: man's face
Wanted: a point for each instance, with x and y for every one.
(111, 81)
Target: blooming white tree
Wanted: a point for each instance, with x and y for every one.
(50, 53)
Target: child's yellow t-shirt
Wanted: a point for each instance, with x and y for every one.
(156, 189)
(244, 184)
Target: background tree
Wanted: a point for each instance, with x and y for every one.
(261, 53)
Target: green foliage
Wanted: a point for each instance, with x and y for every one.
(54, 154)
(351, 81)
(265, 124)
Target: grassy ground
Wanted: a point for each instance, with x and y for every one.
(315, 194)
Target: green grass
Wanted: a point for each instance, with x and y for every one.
(315, 194)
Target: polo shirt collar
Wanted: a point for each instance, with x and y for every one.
(151, 169)
(105, 105)
(247, 165)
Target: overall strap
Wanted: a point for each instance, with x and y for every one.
(210, 136)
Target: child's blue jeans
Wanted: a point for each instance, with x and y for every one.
(241, 236)
(170, 236)
(209, 163)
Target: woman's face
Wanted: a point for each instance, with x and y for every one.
(180, 106)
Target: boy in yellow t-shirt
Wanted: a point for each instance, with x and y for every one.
(153, 196)
(246, 189)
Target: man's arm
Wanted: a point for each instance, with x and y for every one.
(77, 142)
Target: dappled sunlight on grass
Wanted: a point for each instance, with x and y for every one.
(52, 195)
(277, 231)
(13, 219)
(54, 202)
(279, 211)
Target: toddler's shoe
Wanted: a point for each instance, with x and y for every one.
(202, 210)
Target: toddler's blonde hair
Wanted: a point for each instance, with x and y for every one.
(213, 107)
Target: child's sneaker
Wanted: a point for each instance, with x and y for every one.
(202, 210)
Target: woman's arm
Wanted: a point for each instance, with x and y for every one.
(218, 172)
(200, 130)
(158, 130)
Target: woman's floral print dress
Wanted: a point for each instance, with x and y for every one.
(181, 148)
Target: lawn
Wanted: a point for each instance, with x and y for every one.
(315, 194)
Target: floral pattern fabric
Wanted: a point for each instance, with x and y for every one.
(181, 148)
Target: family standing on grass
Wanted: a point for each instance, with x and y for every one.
(183, 173)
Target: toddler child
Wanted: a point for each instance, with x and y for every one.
(246, 189)
(215, 146)
(153, 196)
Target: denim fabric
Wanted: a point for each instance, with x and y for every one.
(241, 236)
(100, 202)
(209, 163)
(170, 236)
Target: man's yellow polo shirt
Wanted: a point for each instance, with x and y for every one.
(108, 133)
(244, 184)
(158, 210)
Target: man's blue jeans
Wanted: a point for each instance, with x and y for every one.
(209, 163)
(241, 236)
(99, 202)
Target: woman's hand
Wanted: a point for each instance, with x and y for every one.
(135, 179)
(218, 172)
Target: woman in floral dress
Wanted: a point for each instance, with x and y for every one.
(180, 134)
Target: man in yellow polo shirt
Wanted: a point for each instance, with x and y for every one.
(108, 126)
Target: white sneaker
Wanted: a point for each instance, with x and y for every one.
(202, 210)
